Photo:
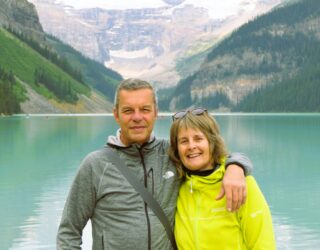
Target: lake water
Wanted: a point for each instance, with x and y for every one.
(39, 156)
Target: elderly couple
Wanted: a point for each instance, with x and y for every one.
(202, 190)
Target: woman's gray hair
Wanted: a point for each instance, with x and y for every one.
(132, 84)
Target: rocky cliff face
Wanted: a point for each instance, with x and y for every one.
(142, 42)
(21, 16)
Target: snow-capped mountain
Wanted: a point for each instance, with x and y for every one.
(145, 38)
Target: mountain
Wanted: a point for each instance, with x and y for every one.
(145, 42)
(95, 74)
(270, 64)
(40, 74)
(22, 16)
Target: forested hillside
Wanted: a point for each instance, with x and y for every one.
(11, 93)
(40, 72)
(297, 91)
(95, 74)
(276, 54)
(297, 94)
(33, 62)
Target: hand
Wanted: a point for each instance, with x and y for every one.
(234, 187)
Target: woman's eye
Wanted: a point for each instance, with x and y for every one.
(182, 141)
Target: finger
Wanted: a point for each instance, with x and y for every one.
(229, 197)
(240, 198)
(244, 193)
(235, 199)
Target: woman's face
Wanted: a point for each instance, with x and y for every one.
(194, 150)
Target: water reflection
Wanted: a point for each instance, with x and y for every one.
(36, 155)
(290, 236)
(39, 157)
(39, 229)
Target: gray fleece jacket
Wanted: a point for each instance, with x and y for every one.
(120, 218)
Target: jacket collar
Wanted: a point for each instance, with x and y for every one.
(198, 182)
(115, 141)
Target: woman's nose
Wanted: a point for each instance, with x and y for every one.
(191, 144)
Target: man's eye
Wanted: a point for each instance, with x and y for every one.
(146, 110)
(127, 111)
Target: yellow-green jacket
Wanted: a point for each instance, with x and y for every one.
(201, 222)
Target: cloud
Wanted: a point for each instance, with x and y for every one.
(111, 4)
(217, 9)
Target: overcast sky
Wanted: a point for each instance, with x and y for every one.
(217, 8)
(114, 4)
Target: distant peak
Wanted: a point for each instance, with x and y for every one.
(173, 2)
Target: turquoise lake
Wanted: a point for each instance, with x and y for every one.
(39, 156)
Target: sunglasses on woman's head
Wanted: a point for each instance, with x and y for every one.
(195, 111)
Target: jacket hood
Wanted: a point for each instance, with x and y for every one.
(115, 142)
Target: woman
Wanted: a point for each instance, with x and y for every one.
(201, 222)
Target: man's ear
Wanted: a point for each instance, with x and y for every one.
(156, 112)
(115, 114)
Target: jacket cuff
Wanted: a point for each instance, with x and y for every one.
(242, 161)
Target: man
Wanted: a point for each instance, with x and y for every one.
(119, 216)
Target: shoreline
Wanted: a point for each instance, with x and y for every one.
(160, 114)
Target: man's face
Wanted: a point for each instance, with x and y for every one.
(135, 115)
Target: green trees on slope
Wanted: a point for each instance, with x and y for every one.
(298, 94)
(57, 85)
(280, 49)
(36, 70)
(94, 74)
(11, 94)
(49, 54)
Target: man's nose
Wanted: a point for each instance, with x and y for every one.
(137, 116)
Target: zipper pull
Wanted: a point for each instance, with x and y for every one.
(191, 189)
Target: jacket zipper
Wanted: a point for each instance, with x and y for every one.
(191, 186)
(197, 198)
(145, 175)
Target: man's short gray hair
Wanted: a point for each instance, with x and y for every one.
(132, 84)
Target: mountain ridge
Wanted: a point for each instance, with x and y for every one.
(272, 49)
